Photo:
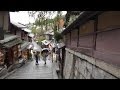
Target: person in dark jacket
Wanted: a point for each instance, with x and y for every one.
(44, 53)
(36, 58)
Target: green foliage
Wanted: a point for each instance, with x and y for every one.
(42, 21)
(57, 36)
(34, 30)
(41, 39)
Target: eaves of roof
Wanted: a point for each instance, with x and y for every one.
(86, 15)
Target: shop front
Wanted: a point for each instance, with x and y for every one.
(10, 45)
(25, 51)
(3, 68)
(2, 56)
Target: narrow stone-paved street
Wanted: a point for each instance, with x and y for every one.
(32, 71)
(59, 44)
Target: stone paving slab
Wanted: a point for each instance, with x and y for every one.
(32, 71)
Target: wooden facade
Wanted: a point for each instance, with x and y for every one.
(2, 56)
(11, 48)
(61, 59)
(4, 23)
(23, 51)
(97, 37)
(4, 27)
(29, 39)
(12, 55)
(24, 35)
(25, 54)
(11, 41)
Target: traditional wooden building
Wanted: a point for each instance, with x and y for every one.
(24, 50)
(10, 44)
(60, 58)
(9, 41)
(30, 37)
(11, 38)
(92, 46)
(4, 24)
(4, 27)
(25, 46)
(23, 33)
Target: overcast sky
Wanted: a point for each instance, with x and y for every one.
(23, 17)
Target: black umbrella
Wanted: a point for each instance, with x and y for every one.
(45, 50)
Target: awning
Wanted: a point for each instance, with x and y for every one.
(25, 45)
(30, 46)
(7, 38)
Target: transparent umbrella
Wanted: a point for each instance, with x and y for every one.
(37, 49)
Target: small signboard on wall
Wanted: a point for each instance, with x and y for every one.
(1, 33)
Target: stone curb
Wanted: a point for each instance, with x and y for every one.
(112, 69)
(3, 77)
(9, 73)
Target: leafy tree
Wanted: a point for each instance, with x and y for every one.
(41, 20)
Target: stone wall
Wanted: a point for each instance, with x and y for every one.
(68, 65)
(80, 66)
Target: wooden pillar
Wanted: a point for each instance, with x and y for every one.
(70, 38)
(78, 38)
(95, 33)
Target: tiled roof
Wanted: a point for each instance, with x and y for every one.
(12, 43)
(18, 24)
(27, 30)
(83, 17)
(25, 45)
(8, 37)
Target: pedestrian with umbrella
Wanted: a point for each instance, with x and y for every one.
(36, 57)
(36, 54)
(44, 53)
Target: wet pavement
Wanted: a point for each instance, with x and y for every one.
(32, 71)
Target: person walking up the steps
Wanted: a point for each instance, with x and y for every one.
(36, 58)
(44, 53)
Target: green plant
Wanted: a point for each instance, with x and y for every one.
(41, 39)
(57, 36)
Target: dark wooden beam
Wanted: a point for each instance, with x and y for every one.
(84, 17)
